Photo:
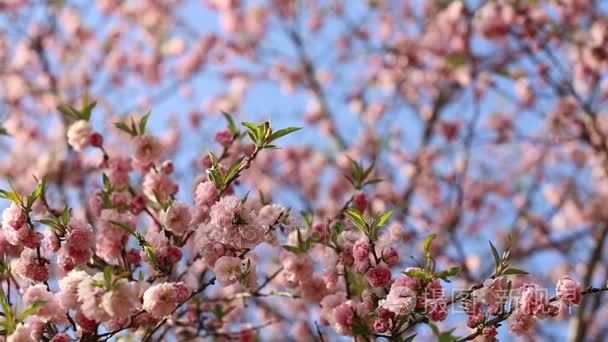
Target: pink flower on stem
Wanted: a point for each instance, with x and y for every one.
(361, 250)
(568, 291)
(436, 309)
(52, 310)
(223, 137)
(520, 323)
(534, 300)
(379, 276)
(360, 201)
(227, 270)
(176, 218)
(162, 299)
(79, 135)
(30, 266)
(390, 256)
(401, 300)
(146, 149)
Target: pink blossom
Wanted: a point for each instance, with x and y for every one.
(361, 250)
(361, 267)
(381, 325)
(379, 276)
(489, 332)
(390, 256)
(534, 300)
(401, 300)
(232, 223)
(96, 140)
(16, 231)
(111, 239)
(159, 185)
(176, 218)
(160, 300)
(205, 194)
(146, 149)
(343, 318)
(313, 289)
(319, 232)
(13, 217)
(228, 270)
(51, 240)
(407, 281)
(183, 291)
(23, 333)
(520, 323)
(52, 310)
(434, 289)
(78, 247)
(436, 309)
(79, 135)
(90, 298)
(85, 323)
(360, 201)
(118, 170)
(328, 303)
(121, 300)
(493, 292)
(69, 288)
(29, 266)
(296, 267)
(568, 291)
(223, 137)
(7, 248)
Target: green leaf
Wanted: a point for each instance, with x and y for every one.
(292, 249)
(357, 282)
(427, 242)
(409, 338)
(455, 61)
(31, 310)
(123, 127)
(87, 107)
(307, 217)
(107, 184)
(214, 161)
(150, 253)
(124, 227)
(356, 170)
(384, 218)
(35, 195)
(69, 111)
(283, 132)
(373, 181)
(254, 130)
(265, 131)
(450, 272)
(233, 170)
(143, 122)
(65, 215)
(514, 271)
(495, 254)
(338, 228)
(357, 219)
(53, 224)
(231, 125)
(417, 273)
(107, 276)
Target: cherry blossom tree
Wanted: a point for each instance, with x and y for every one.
(307, 170)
